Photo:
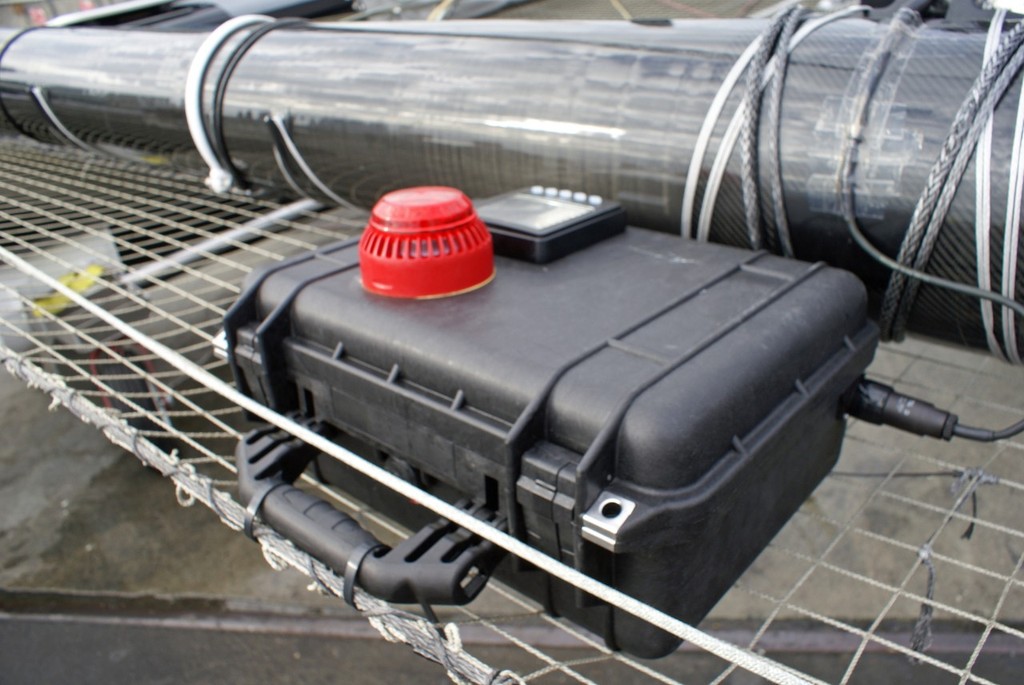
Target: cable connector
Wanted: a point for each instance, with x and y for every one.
(877, 403)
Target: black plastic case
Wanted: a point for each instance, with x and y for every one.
(649, 410)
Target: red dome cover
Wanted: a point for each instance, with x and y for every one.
(425, 242)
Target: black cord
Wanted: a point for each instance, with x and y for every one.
(220, 89)
(985, 435)
(882, 405)
(844, 180)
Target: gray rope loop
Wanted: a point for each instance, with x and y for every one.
(978, 476)
(318, 582)
(921, 637)
(752, 113)
(503, 677)
(966, 487)
(774, 211)
(212, 496)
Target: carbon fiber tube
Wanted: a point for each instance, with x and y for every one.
(612, 108)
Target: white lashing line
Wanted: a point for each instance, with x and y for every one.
(728, 143)
(983, 199)
(1011, 236)
(759, 665)
(220, 180)
(706, 129)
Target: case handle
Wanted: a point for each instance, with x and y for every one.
(442, 564)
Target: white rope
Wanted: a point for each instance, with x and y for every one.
(219, 180)
(1011, 235)
(759, 665)
(728, 143)
(983, 199)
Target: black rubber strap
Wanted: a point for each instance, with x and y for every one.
(259, 495)
(215, 128)
(355, 560)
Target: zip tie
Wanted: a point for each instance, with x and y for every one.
(355, 560)
(220, 86)
(744, 658)
(979, 476)
(252, 509)
(220, 180)
(287, 174)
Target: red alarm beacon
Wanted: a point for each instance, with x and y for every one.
(425, 242)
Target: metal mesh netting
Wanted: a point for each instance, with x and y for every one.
(903, 528)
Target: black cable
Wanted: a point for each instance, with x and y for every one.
(882, 405)
(844, 180)
(216, 128)
(985, 435)
(962, 288)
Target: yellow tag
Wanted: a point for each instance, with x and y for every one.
(79, 282)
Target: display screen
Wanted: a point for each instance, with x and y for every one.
(532, 213)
